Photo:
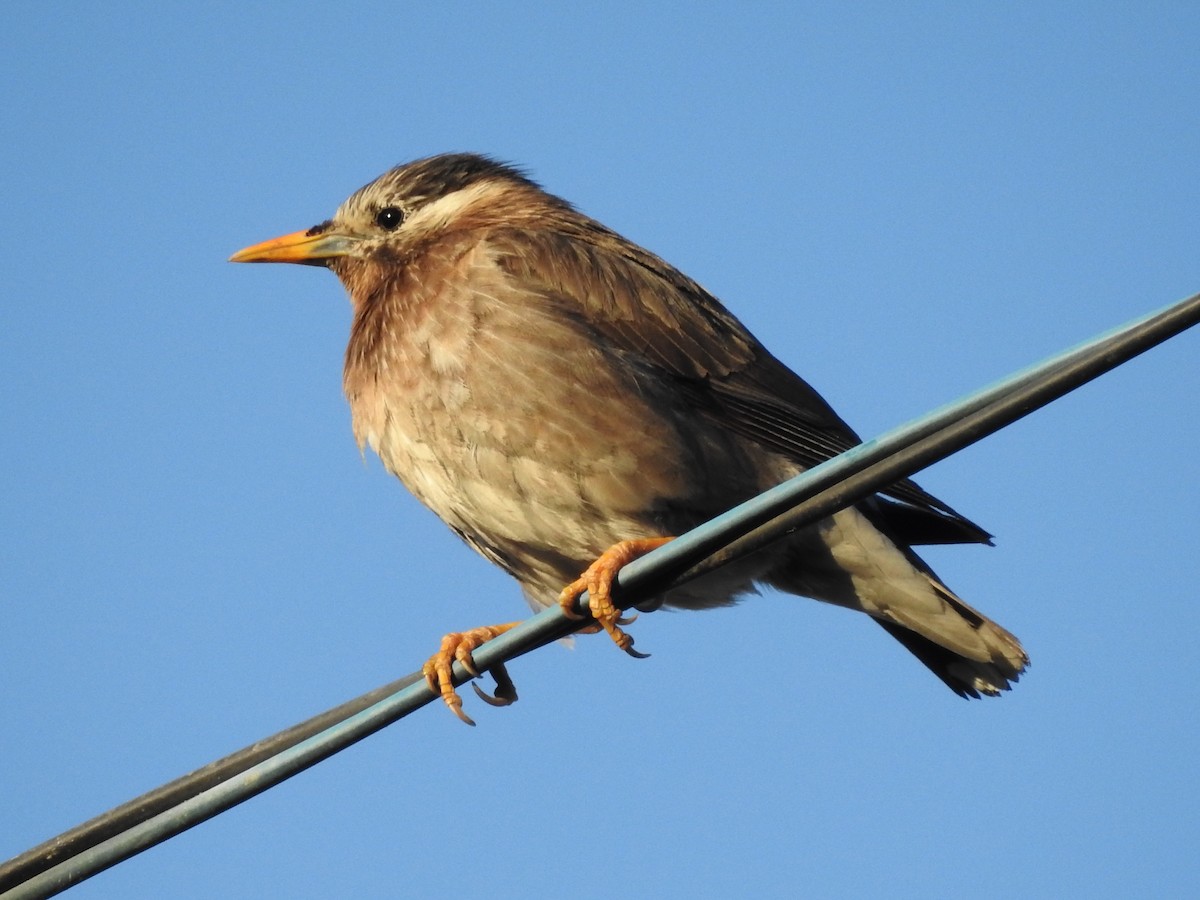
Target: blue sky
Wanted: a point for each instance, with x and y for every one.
(904, 204)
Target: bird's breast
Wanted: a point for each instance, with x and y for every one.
(513, 423)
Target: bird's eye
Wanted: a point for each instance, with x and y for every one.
(389, 218)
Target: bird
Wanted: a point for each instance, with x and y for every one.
(566, 401)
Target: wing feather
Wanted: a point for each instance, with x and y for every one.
(665, 321)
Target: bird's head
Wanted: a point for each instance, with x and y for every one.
(396, 215)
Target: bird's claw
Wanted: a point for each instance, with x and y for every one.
(506, 691)
(597, 580)
(457, 646)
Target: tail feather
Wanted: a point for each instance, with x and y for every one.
(966, 677)
(856, 565)
(995, 662)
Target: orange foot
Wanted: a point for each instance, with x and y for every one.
(458, 646)
(597, 581)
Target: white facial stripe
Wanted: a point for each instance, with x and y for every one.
(444, 209)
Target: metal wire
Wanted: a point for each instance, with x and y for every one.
(154, 817)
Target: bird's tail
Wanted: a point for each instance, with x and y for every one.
(967, 676)
(858, 566)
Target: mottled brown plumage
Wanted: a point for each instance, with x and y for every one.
(550, 389)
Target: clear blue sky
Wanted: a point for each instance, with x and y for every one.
(904, 203)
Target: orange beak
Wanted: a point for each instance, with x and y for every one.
(312, 247)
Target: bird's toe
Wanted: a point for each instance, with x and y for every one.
(458, 646)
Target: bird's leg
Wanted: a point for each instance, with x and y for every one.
(457, 645)
(597, 581)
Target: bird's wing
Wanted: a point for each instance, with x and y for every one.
(651, 311)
